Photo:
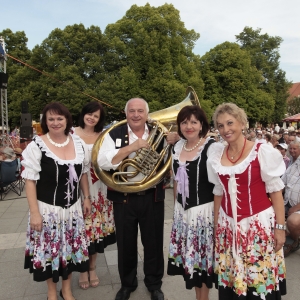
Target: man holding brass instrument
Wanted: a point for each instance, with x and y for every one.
(144, 208)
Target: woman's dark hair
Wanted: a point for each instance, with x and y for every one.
(90, 108)
(268, 137)
(59, 109)
(186, 113)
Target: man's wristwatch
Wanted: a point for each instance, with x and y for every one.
(280, 226)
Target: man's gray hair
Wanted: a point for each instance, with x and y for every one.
(294, 143)
(146, 104)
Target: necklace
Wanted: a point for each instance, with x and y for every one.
(57, 144)
(88, 134)
(191, 149)
(231, 158)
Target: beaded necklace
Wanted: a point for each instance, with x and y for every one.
(231, 159)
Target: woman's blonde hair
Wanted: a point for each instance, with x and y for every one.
(231, 109)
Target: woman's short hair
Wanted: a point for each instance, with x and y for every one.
(91, 108)
(186, 113)
(231, 109)
(57, 108)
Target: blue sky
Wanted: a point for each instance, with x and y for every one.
(217, 21)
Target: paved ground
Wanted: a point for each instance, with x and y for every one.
(16, 283)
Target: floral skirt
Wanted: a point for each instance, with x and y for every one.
(61, 247)
(246, 265)
(100, 224)
(191, 247)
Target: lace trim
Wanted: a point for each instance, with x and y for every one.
(231, 170)
(179, 145)
(79, 158)
(275, 185)
(28, 174)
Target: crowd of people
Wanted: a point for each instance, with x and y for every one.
(233, 189)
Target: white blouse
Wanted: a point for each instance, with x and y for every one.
(271, 167)
(32, 157)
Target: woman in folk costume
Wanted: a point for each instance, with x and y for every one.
(249, 212)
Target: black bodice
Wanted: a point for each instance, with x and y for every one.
(200, 189)
(56, 186)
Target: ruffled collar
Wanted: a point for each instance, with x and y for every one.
(179, 146)
(231, 170)
(78, 151)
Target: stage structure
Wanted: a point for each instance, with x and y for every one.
(3, 91)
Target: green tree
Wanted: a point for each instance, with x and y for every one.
(293, 106)
(264, 53)
(153, 57)
(229, 76)
(16, 47)
(72, 64)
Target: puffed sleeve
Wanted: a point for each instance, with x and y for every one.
(271, 168)
(213, 154)
(31, 162)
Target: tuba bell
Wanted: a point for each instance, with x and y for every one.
(146, 161)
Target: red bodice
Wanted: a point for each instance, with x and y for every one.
(251, 192)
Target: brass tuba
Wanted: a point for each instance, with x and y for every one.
(146, 161)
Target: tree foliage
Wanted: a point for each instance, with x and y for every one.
(154, 56)
(15, 46)
(229, 76)
(72, 63)
(293, 106)
(148, 53)
(264, 53)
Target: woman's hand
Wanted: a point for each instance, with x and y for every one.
(36, 221)
(279, 239)
(87, 207)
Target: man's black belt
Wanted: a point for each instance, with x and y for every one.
(142, 193)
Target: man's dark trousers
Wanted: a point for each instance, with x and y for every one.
(140, 210)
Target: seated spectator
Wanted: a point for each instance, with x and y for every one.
(18, 151)
(291, 179)
(7, 154)
(282, 149)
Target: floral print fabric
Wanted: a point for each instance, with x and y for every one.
(191, 247)
(100, 225)
(256, 266)
(61, 245)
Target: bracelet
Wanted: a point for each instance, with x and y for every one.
(87, 197)
(216, 225)
(280, 226)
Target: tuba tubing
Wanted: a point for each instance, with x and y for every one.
(118, 180)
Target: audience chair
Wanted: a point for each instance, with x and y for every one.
(9, 178)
